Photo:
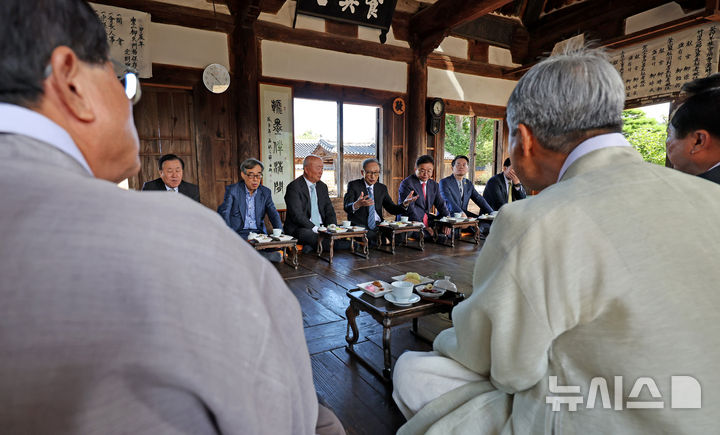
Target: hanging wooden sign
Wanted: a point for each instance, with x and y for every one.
(369, 13)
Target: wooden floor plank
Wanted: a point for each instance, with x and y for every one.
(360, 399)
(358, 406)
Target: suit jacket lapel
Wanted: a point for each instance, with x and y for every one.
(241, 200)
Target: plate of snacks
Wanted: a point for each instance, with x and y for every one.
(375, 288)
(413, 277)
(429, 291)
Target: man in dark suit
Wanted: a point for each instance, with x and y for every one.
(308, 204)
(246, 203)
(457, 191)
(496, 190)
(428, 193)
(693, 141)
(171, 169)
(366, 198)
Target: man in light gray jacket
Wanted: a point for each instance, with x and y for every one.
(98, 333)
(594, 304)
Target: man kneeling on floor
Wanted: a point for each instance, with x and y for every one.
(581, 289)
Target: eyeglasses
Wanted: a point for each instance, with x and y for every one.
(254, 176)
(129, 79)
(372, 174)
(425, 171)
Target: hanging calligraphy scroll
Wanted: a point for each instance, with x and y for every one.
(127, 33)
(276, 139)
(369, 13)
(661, 66)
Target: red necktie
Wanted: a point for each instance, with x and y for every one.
(425, 219)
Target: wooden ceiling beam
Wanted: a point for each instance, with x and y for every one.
(431, 25)
(532, 11)
(602, 19)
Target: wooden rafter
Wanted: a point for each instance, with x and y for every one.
(431, 25)
(532, 11)
(178, 15)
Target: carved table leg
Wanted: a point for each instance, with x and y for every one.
(294, 259)
(366, 247)
(351, 313)
(452, 237)
(392, 242)
(319, 246)
(421, 240)
(332, 243)
(477, 234)
(386, 349)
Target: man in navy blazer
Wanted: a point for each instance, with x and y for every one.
(366, 197)
(428, 193)
(496, 190)
(451, 186)
(246, 203)
(171, 169)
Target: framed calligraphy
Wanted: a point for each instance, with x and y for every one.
(127, 33)
(369, 13)
(277, 144)
(659, 67)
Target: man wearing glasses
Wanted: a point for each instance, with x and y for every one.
(123, 317)
(366, 198)
(246, 203)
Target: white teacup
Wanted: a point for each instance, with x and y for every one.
(277, 232)
(402, 290)
(404, 219)
(346, 224)
(457, 215)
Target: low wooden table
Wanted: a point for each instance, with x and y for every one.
(389, 315)
(289, 247)
(350, 234)
(453, 225)
(389, 231)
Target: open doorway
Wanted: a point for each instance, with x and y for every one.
(319, 124)
(646, 129)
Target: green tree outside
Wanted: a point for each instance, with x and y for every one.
(646, 135)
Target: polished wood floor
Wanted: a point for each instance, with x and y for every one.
(361, 401)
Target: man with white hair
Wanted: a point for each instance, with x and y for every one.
(581, 295)
(308, 203)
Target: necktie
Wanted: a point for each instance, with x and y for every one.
(425, 218)
(314, 210)
(461, 190)
(371, 210)
(509, 192)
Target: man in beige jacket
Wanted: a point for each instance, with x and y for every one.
(595, 303)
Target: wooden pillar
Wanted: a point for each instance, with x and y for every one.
(244, 61)
(417, 96)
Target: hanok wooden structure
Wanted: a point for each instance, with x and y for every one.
(467, 52)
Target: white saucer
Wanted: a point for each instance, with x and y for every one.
(391, 298)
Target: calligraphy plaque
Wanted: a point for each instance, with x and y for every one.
(660, 66)
(277, 145)
(370, 13)
(127, 34)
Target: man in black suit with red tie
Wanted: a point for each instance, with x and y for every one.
(366, 198)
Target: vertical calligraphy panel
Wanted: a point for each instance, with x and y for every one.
(277, 148)
(127, 33)
(661, 66)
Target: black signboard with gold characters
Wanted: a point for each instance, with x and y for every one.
(370, 13)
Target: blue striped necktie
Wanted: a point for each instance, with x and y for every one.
(371, 210)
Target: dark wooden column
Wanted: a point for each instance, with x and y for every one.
(417, 96)
(244, 61)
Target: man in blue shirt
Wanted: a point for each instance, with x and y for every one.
(246, 203)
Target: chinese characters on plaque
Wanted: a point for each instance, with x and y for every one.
(276, 139)
(662, 65)
(370, 13)
(127, 33)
